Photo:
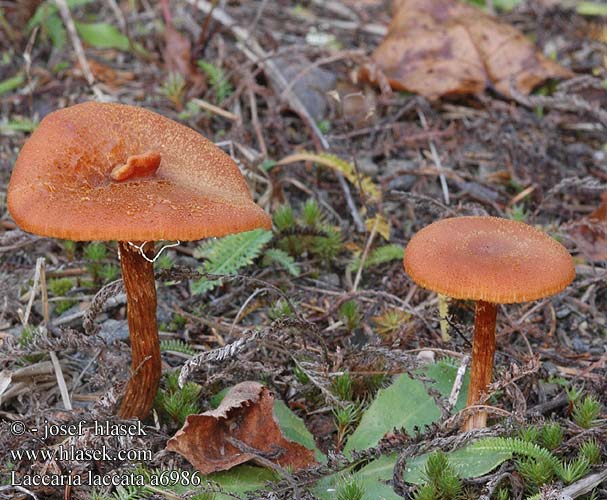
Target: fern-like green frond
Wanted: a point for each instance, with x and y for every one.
(176, 345)
(380, 255)
(227, 255)
(220, 84)
(130, 493)
(517, 446)
(282, 259)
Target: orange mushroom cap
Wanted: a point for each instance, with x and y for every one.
(488, 258)
(97, 171)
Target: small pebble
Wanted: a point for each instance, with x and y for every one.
(426, 357)
(402, 182)
(113, 330)
(331, 280)
(579, 345)
(367, 166)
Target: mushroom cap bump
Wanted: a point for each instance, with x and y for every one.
(62, 185)
(488, 258)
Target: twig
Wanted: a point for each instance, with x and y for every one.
(253, 26)
(561, 102)
(325, 60)
(118, 14)
(585, 485)
(244, 305)
(32, 293)
(249, 337)
(458, 382)
(365, 254)
(83, 371)
(336, 8)
(436, 157)
(215, 109)
(256, 124)
(256, 54)
(205, 36)
(358, 222)
(27, 57)
(263, 459)
(15, 238)
(77, 44)
(494, 482)
(19, 488)
(101, 297)
(65, 396)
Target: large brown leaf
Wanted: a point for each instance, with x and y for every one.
(213, 441)
(444, 47)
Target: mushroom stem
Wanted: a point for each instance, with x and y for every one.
(138, 276)
(483, 351)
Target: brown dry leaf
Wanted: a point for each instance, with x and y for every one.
(590, 233)
(444, 47)
(177, 55)
(17, 13)
(245, 415)
(112, 77)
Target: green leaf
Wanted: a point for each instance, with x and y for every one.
(591, 9)
(283, 259)
(11, 83)
(443, 373)
(373, 478)
(102, 36)
(227, 255)
(506, 5)
(19, 125)
(474, 460)
(405, 404)
(294, 429)
(49, 8)
(53, 27)
(242, 479)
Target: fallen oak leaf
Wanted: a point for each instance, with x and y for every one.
(445, 47)
(210, 441)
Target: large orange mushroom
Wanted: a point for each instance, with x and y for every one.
(492, 261)
(98, 171)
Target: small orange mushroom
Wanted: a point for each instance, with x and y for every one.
(98, 171)
(492, 261)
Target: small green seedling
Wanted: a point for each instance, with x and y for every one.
(586, 412)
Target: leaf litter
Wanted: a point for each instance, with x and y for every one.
(241, 428)
(446, 47)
